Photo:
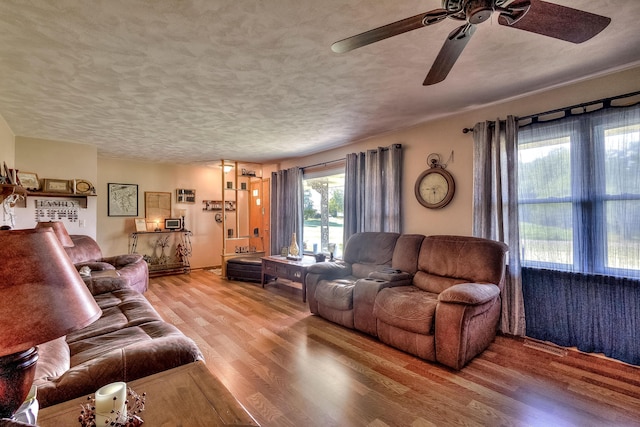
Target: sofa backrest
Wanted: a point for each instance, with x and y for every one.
(445, 261)
(85, 249)
(405, 254)
(367, 251)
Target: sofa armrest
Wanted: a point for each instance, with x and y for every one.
(102, 284)
(469, 293)
(330, 270)
(95, 265)
(123, 260)
(466, 322)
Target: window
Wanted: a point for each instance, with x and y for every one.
(323, 212)
(579, 193)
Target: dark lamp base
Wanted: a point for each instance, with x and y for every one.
(16, 376)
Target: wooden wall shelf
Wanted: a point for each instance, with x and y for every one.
(82, 198)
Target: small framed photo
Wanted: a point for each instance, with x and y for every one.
(57, 186)
(29, 180)
(141, 225)
(184, 195)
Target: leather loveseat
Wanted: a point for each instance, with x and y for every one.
(129, 341)
(436, 297)
(131, 269)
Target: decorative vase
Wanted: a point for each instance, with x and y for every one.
(294, 250)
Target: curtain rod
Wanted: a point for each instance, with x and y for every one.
(605, 101)
(323, 163)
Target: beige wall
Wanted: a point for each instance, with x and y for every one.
(57, 160)
(113, 232)
(445, 135)
(7, 144)
(64, 160)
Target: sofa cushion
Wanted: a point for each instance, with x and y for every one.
(461, 258)
(434, 283)
(370, 248)
(54, 359)
(407, 308)
(337, 294)
(120, 309)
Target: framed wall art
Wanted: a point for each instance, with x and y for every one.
(157, 205)
(57, 186)
(29, 180)
(184, 195)
(122, 199)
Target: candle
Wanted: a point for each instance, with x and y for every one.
(110, 402)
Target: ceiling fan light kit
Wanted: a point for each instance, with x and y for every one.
(535, 16)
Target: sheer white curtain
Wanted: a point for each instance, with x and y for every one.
(286, 208)
(495, 208)
(372, 195)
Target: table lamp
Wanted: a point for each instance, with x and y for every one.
(60, 231)
(42, 297)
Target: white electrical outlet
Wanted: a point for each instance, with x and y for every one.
(82, 223)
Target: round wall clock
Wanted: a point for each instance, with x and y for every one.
(83, 187)
(435, 187)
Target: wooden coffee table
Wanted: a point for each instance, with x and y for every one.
(188, 395)
(278, 266)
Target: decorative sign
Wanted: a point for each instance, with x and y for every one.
(57, 210)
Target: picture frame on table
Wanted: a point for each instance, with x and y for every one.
(29, 180)
(62, 186)
(141, 225)
(122, 199)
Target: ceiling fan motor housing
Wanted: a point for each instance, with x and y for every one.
(473, 11)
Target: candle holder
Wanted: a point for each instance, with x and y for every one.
(134, 407)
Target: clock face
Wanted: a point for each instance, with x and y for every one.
(434, 188)
(83, 187)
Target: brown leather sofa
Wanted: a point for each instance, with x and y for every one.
(436, 297)
(132, 269)
(129, 341)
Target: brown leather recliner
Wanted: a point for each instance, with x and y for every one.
(131, 268)
(450, 312)
(436, 297)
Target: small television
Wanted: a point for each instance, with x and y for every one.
(172, 224)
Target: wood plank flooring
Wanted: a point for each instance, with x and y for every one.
(290, 368)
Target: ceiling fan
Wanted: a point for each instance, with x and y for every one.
(536, 16)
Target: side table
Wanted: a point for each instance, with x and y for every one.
(188, 395)
(278, 266)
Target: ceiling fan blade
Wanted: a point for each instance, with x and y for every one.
(554, 20)
(389, 30)
(449, 54)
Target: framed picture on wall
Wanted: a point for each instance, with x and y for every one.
(184, 195)
(157, 206)
(122, 199)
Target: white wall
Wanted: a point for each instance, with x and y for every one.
(54, 159)
(7, 144)
(58, 160)
(113, 232)
(445, 135)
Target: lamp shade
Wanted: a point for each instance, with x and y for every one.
(60, 231)
(42, 296)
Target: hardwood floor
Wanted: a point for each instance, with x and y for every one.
(289, 368)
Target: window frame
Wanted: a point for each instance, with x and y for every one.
(588, 198)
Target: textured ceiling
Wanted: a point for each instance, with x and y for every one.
(190, 81)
